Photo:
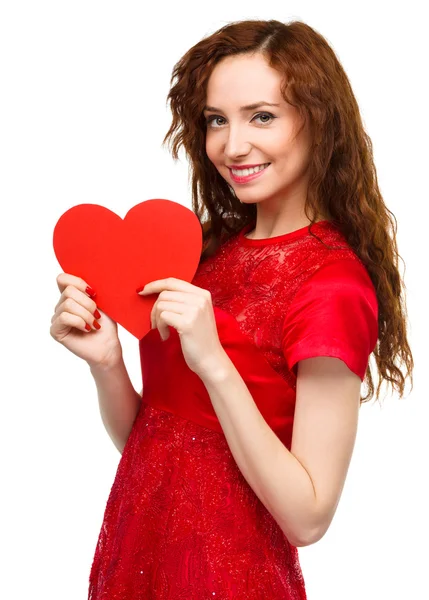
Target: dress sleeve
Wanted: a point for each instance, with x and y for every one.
(334, 313)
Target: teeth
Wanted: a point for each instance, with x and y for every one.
(246, 172)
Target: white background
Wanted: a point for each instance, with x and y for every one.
(82, 116)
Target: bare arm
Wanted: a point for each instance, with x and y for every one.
(301, 488)
(118, 401)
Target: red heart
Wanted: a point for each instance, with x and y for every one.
(156, 239)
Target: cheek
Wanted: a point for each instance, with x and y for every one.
(279, 143)
(214, 155)
(210, 148)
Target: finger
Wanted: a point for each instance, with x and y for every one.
(171, 319)
(164, 305)
(66, 319)
(70, 291)
(65, 279)
(171, 283)
(75, 308)
(183, 297)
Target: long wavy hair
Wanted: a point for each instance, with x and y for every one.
(343, 182)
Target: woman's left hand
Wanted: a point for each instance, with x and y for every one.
(189, 310)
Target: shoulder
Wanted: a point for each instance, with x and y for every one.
(337, 288)
(334, 313)
(340, 276)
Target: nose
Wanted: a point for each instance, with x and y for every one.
(237, 143)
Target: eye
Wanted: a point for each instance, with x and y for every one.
(212, 118)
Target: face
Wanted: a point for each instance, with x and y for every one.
(256, 136)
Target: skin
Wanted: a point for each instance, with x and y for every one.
(236, 137)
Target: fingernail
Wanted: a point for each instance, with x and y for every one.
(87, 327)
(97, 325)
(90, 291)
(140, 289)
(97, 314)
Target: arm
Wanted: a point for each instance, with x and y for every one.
(118, 401)
(301, 488)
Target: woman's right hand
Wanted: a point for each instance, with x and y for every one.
(75, 309)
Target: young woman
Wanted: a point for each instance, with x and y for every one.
(237, 452)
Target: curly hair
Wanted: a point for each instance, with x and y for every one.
(343, 181)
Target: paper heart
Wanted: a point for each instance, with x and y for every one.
(157, 239)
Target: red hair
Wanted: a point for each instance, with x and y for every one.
(343, 183)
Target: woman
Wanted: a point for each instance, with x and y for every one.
(237, 452)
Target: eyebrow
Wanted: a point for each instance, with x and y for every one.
(242, 108)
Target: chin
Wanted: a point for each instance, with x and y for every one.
(250, 201)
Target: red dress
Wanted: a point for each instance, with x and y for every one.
(181, 522)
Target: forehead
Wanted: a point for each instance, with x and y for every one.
(240, 80)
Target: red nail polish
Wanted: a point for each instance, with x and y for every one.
(140, 289)
(97, 325)
(97, 314)
(87, 327)
(90, 291)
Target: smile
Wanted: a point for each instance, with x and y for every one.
(245, 175)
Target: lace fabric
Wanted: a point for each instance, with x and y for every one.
(181, 522)
(257, 281)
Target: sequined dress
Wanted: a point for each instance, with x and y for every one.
(181, 522)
